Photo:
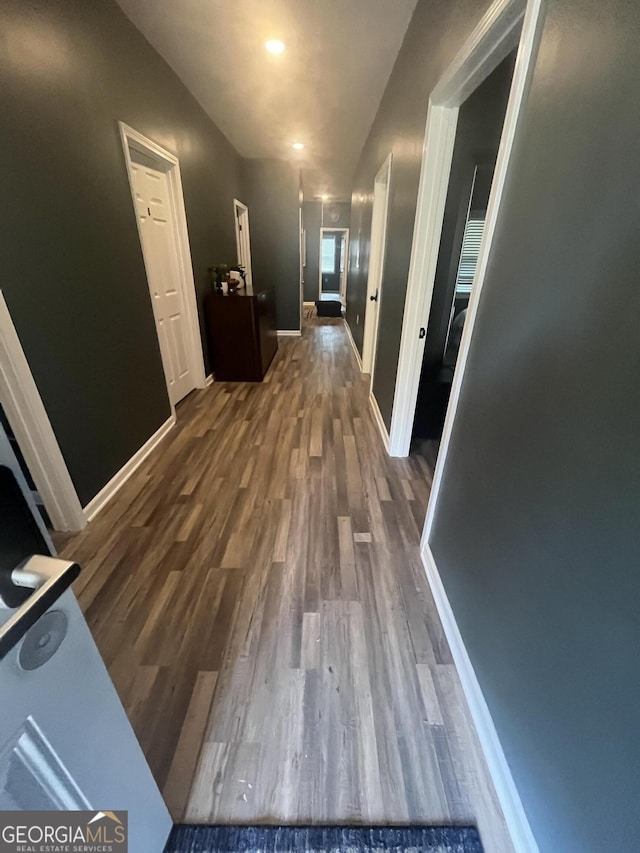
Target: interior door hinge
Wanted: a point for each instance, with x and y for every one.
(422, 332)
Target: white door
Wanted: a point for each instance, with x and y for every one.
(376, 267)
(242, 238)
(157, 234)
(65, 740)
(344, 263)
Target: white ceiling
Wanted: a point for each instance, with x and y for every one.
(324, 90)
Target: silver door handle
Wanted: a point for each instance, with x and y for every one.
(49, 577)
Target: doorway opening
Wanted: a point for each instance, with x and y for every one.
(156, 190)
(376, 267)
(334, 253)
(14, 453)
(27, 438)
(475, 152)
(506, 26)
(243, 242)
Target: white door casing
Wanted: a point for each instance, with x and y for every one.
(344, 238)
(168, 164)
(301, 260)
(163, 275)
(243, 240)
(344, 266)
(25, 411)
(376, 266)
(505, 25)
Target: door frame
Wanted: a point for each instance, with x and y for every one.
(345, 260)
(507, 24)
(243, 220)
(170, 165)
(34, 433)
(379, 221)
(302, 260)
(344, 272)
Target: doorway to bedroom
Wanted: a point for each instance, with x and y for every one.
(475, 153)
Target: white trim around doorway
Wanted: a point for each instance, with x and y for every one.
(32, 428)
(379, 221)
(169, 163)
(242, 222)
(506, 25)
(498, 33)
(345, 261)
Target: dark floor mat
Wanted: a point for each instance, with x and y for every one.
(323, 839)
(329, 308)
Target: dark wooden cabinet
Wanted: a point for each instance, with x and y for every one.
(242, 334)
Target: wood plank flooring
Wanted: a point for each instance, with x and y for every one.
(257, 594)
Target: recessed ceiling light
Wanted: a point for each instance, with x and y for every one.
(297, 145)
(274, 46)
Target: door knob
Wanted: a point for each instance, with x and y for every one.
(49, 577)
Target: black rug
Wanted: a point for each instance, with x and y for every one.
(323, 839)
(329, 308)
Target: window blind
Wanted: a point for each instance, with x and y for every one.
(469, 255)
(328, 254)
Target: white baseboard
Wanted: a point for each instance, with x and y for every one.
(506, 791)
(208, 380)
(380, 421)
(294, 333)
(118, 480)
(353, 344)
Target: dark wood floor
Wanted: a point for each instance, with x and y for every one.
(257, 593)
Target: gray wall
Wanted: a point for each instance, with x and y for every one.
(271, 191)
(358, 271)
(312, 212)
(329, 211)
(537, 533)
(72, 268)
(312, 216)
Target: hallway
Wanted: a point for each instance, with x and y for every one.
(258, 596)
